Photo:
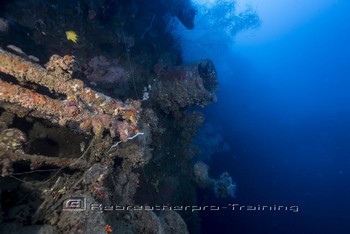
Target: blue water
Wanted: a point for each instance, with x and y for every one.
(284, 109)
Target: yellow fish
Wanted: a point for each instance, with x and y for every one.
(72, 36)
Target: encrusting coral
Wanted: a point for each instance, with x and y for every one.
(79, 108)
(70, 129)
(83, 108)
(186, 85)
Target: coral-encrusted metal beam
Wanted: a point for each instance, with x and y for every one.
(83, 108)
(29, 99)
(11, 151)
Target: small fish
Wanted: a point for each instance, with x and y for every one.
(72, 36)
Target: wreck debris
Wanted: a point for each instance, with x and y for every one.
(37, 161)
(95, 178)
(186, 85)
(11, 142)
(83, 108)
(35, 100)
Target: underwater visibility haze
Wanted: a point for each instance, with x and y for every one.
(283, 110)
(174, 116)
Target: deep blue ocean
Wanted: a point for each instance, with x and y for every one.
(284, 111)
